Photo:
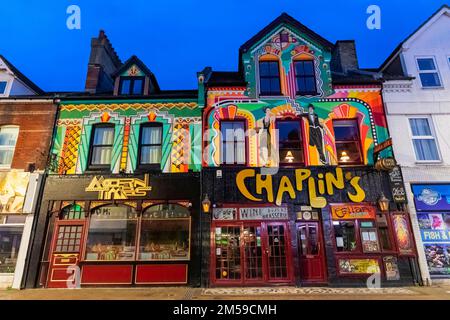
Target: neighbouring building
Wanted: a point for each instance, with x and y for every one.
(121, 202)
(417, 102)
(290, 191)
(26, 124)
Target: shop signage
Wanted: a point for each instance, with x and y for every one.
(435, 235)
(397, 186)
(264, 213)
(345, 212)
(359, 266)
(119, 188)
(385, 164)
(224, 213)
(391, 267)
(431, 197)
(316, 186)
(13, 187)
(383, 145)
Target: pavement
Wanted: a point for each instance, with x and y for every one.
(436, 292)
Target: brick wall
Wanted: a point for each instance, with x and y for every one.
(35, 120)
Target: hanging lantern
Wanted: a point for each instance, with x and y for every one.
(206, 204)
(383, 203)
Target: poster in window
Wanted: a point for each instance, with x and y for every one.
(391, 268)
(438, 259)
(13, 187)
(402, 234)
(359, 266)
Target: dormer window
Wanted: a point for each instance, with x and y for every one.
(131, 85)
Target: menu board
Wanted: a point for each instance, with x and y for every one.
(224, 213)
(359, 266)
(391, 268)
(435, 233)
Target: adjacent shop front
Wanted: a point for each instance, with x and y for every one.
(120, 230)
(432, 203)
(309, 226)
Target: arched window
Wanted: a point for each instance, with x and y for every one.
(269, 75)
(112, 233)
(150, 144)
(305, 75)
(102, 141)
(165, 233)
(72, 212)
(8, 140)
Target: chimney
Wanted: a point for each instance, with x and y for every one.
(103, 61)
(344, 56)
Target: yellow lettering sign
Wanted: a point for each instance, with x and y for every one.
(119, 188)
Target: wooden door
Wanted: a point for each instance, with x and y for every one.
(277, 252)
(65, 252)
(311, 252)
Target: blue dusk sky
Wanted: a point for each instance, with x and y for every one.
(175, 39)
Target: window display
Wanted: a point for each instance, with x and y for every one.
(112, 234)
(369, 239)
(10, 238)
(345, 234)
(165, 233)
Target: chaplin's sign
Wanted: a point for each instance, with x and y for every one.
(119, 188)
(316, 185)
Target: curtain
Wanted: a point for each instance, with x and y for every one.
(151, 145)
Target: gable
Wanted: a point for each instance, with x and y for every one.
(434, 34)
(133, 71)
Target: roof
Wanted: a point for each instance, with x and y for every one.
(135, 60)
(284, 18)
(397, 49)
(354, 77)
(226, 78)
(162, 94)
(21, 76)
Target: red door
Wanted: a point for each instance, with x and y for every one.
(66, 252)
(253, 253)
(277, 252)
(312, 263)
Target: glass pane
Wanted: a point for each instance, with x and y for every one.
(303, 239)
(103, 135)
(227, 253)
(420, 127)
(268, 68)
(166, 211)
(277, 252)
(252, 252)
(430, 79)
(313, 240)
(348, 152)
(164, 239)
(151, 135)
(346, 130)
(137, 86)
(10, 238)
(369, 240)
(345, 234)
(112, 234)
(425, 149)
(240, 152)
(150, 155)
(273, 67)
(426, 64)
(2, 87)
(101, 155)
(310, 85)
(289, 131)
(125, 89)
(8, 136)
(6, 157)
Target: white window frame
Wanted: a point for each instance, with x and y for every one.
(436, 70)
(13, 148)
(432, 137)
(5, 94)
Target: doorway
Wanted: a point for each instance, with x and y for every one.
(311, 252)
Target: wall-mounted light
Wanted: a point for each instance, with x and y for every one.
(344, 157)
(289, 157)
(383, 203)
(206, 204)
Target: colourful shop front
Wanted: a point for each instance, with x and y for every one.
(309, 226)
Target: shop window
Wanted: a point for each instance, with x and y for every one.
(72, 212)
(345, 236)
(369, 237)
(290, 142)
(11, 230)
(348, 143)
(269, 74)
(8, 139)
(131, 85)
(233, 142)
(101, 146)
(428, 73)
(305, 77)
(150, 143)
(228, 253)
(165, 233)
(384, 233)
(112, 234)
(424, 141)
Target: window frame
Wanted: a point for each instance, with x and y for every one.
(361, 155)
(302, 141)
(132, 82)
(436, 70)
(148, 166)
(4, 93)
(100, 167)
(314, 76)
(10, 148)
(433, 137)
(222, 163)
(269, 94)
